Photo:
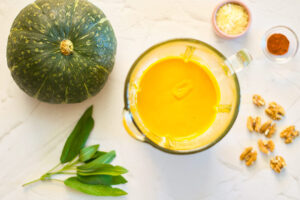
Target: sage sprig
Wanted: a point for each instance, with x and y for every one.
(91, 169)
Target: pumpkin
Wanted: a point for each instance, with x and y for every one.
(61, 51)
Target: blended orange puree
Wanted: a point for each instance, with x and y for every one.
(177, 99)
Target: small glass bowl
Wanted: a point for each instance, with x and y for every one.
(293, 47)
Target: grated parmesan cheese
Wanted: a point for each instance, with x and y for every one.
(232, 19)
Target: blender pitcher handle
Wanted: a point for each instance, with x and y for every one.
(239, 60)
(131, 127)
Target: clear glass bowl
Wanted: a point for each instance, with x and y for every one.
(293, 47)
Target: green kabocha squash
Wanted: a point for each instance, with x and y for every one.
(61, 51)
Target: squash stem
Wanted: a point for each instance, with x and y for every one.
(66, 47)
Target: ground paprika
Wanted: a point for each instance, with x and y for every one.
(278, 44)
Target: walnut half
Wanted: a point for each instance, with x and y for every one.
(289, 134)
(249, 156)
(253, 124)
(266, 146)
(268, 129)
(277, 163)
(258, 100)
(275, 111)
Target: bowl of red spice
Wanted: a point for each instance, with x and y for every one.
(280, 44)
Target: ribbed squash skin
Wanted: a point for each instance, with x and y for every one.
(37, 63)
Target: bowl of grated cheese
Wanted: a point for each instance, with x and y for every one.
(231, 19)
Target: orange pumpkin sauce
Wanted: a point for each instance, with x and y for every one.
(177, 99)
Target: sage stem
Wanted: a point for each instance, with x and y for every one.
(31, 182)
(56, 166)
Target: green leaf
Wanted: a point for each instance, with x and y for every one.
(88, 152)
(102, 180)
(96, 155)
(96, 190)
(103, 169)
(78, 137)
(99, 153)
(104, 159)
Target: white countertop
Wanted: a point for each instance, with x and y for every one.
(32, 133)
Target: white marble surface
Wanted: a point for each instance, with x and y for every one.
(32, 133)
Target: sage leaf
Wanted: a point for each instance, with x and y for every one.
(96, 190)
(102, 180)
(104, 159)
(88, 152)
(96, 155)
(78, 136)
(103, 169)
(99, 153)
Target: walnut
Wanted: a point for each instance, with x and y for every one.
(277, 163)
(266, 146)
(268, 129)
(289, 134)
(275, 111)
(249, 156)
(265, 126)
(253, 124)
(257, 124)
(258, 100)
(250, 124)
